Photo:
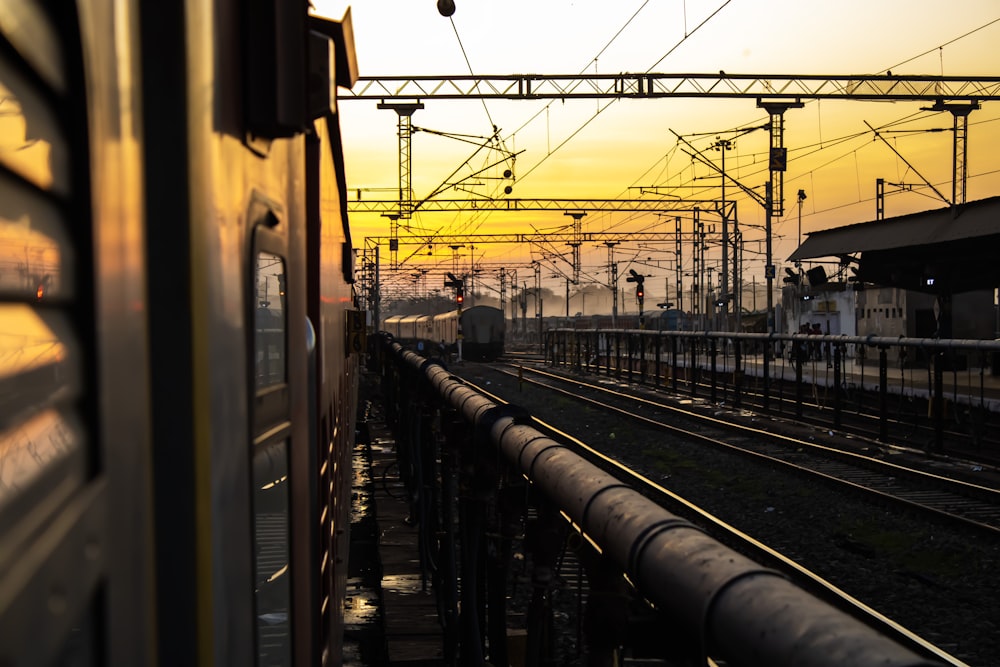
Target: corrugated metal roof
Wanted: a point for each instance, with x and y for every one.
(971, 220)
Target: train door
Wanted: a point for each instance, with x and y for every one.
(277, 434)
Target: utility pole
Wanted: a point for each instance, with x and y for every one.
(959, 150)
(503, 292)
(404, 111)
(576, 242)
(567, 299)
(678, 267)
(769, 265)
(538, 300)
(376, 294)
(723, 145)
(774, 196)
(613, 281)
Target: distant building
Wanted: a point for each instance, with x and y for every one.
(831, 305)
(890, 311)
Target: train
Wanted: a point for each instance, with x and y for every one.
(670, 319)
(652, 320)
(181, 337)
(483, 331)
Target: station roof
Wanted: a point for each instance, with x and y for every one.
(948, 250)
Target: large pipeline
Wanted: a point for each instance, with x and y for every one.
(739, 610)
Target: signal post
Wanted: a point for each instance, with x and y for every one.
(459, 285)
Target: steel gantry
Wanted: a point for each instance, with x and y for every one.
(775, 93)
(654, 85)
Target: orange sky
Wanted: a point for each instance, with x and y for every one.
(568, 152)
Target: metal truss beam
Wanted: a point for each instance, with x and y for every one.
(769, 86)
(548, 237)
(453, 205)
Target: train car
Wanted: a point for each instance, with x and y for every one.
(483, 331)
(177, 381)
(391, 325)
(669, 319)
(444, 327)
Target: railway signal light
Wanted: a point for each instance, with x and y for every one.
(459, 285)
(638, 279)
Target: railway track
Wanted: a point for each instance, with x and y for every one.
(969, 428)
(935, 494)
(730, 535)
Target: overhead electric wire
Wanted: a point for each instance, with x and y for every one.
(469, 65)
(822, 145)
(601, 110)
(941, 46)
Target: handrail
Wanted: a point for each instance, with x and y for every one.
(870, 340)
(738, 610)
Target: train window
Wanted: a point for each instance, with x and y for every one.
(28, 30)
(272, 583)
(41, 442)
(270, 321)
(52, 489)
(272, 589)
(37, 371)
(36, 259)
(31, 142)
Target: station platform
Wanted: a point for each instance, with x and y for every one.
(391, 615)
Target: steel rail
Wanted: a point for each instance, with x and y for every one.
(958, 487)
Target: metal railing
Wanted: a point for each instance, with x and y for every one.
(727, 366)
(492, 465)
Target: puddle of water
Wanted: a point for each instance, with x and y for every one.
(360, 605)
(405, 584)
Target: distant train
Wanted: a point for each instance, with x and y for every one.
(653, 320)
(483, 331)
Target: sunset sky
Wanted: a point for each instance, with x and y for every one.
(606, 149)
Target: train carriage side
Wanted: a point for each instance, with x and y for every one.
(445, 328)
(181, 179)
(408, 328)
(391, 325)
(425, 328)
